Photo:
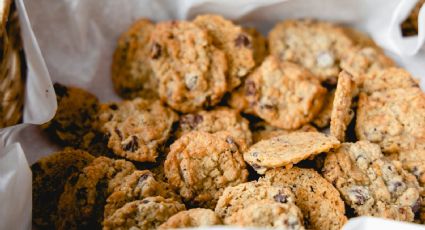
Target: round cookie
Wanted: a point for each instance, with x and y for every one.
(392, 118)
(48, 180)
(268, 214)
(234, 42)
(197, 217)
(390, 78)
(263, 131)
(137, 186)
(191, 71)
(288, 149)
(359, 38)
(318, 200)
(371, 184)
(323, 119)
(284, 94)
(74, 118)
(217, 120)
(317, 46)
(82, 201)
(240, 196)
(132, 75)
(259, 45)
(136, 128)
(201, 165)
(342, 114)
(148, 214)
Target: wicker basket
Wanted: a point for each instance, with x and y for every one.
(11, 69)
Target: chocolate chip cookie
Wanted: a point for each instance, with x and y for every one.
(191, 71)
(136, 128)
(197, 217)
(371, 184)
(201, 165)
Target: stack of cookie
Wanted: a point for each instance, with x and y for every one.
(221, 126)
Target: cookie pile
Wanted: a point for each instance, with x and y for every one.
(220, 125)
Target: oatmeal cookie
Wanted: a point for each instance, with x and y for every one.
(132, 75)
(390, 78)
(323, 119)
(82, 201)
(197, 217)
(268, 214)
(394, 119)
(288, 149)
(137, 186)
(148, 214)
(284, 94)
(259, 45)
(234, 42)
(240, 196)
(359, 38)
(48, 180)
(136, 128)
(318, 200)
(318, 46)
(190, 70)
(342, 114)
(371, 184)
(201, 165)
(263, 131)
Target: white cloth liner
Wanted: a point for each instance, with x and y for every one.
(72, 41)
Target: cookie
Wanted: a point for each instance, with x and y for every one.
(318, 200)
(136, 128)
(268, 214)
(284, 94)
(48, 180)
(371, 184)
(288, 149)
(315, 45)
(390, 78)
(263, 131)
(137, 186)
(364, 61)
(74, 118)
(217, 120)
(323, 119)
(190, 70)
(234, 42)
(259, 45)
(197, 217)
(132, 75)
(148, 213)
(238, 101)
(342, 114)
(82, 201)
(201, 165)
(392, 118)
(238, 197)
(359, 38)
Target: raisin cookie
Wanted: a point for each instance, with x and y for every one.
(82, 201)
(263, 131)
(268, 214)
(240, 196)
(136, 128)
(74, 118)
(342, 113)
(201, 165)
(318, 200)
(148, 214)
(137, 186)
(197, 217)
(190, 70)
(284, 94)
(48, 181)
(132, 75)
(371, 184)
(392, 118)
(288, 149)
(234, 42)
(217, 120)
(318, 46)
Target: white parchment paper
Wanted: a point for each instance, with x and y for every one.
(72, 42)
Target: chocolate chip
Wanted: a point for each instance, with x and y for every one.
(145, 201)
(191, 120)
(156, 51)
(250, 88)
(118, 133)
(281, 198)
(60, 90)
(132, 145)
(113, 106)
(242, 40)
(142, 179)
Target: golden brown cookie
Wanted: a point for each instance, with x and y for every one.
(323, 119)
(390, 78)
(259, 45)
(263, 131)
(197, 217)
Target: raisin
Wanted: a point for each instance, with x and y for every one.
(281, 198)
(191, 120)
(156, 51)
(250, 88)
(132, 145)
(242, 40)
